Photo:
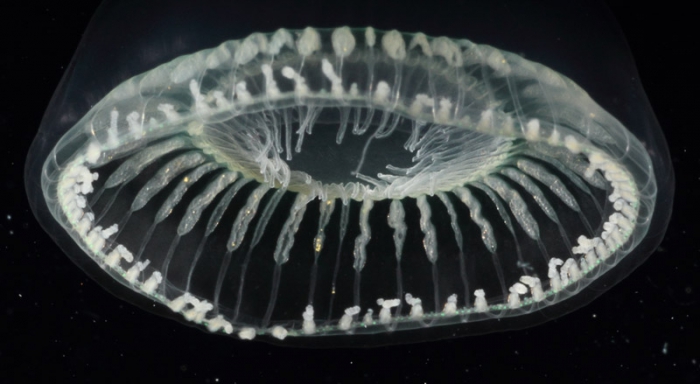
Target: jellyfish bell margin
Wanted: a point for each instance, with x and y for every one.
(182, 185)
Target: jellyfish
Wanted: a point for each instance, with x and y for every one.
(342, 182)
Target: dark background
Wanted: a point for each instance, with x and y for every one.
(57, 325)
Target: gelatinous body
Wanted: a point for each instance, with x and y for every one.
(345, 181)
